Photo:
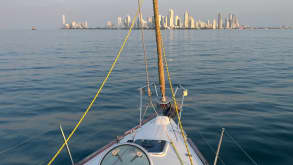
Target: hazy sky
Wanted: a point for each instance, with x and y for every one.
(47, 13)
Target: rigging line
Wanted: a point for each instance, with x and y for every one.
(172, 143)
(242, 149)
(98, 92)
(153, 70)
(152, 105)
(235, 142)
(20, 144)
(145, 56)
(144, 49)
(41, 162)
(211, 148)
(173, 129)
(176, 106)
(147, 107)
(156, 88)
(17, 145)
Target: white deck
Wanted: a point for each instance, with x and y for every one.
(157, 129)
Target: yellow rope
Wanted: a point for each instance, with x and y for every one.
(175, 102)
(98, 92)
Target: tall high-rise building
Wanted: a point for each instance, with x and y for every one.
(166, 22)
(127, 21)
(161, 20)
(150, 19)
(140, 21)
(214, 25)
(177, 22)
(233, 21)
(171, 18)
(230, 17)
(209, 25)
(237, 23)
(150, 22)
(197, 25)
(220, 21)
(86, 25)
(227, 23)
(191, 22)
(119, 21)
(186, 20)
(63, 19)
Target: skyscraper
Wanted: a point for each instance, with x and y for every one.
(127, 21)
(233, 21)
(209, 25)
(162, 22)
(171, 18)
(197, 24)
(166, 22)
(177, 21)
(150, 22)
(230, 17)
(214, 25)
(63, 20)
(220, 21)
(237, 23)
(140, 21)
(119, 21)
(192, 23)
(86, 25)
(227, 23)
(186, 20)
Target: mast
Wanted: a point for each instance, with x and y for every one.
(159, 50)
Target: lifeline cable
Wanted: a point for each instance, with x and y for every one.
(210, 147)
(242, 149)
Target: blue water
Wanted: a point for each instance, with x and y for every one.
(240, 80)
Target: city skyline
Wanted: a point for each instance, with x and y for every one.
(73, 24)
(172, 21)
(46, 14)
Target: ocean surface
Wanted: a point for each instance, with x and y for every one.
(239, 80)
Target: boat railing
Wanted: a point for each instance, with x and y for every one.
(152, 99)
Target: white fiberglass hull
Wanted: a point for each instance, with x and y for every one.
(155, 128)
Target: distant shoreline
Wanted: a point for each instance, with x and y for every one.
(248, 28)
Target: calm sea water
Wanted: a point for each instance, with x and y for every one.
(240, 80)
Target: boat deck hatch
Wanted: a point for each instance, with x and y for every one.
(152, 146)
(126, 154)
